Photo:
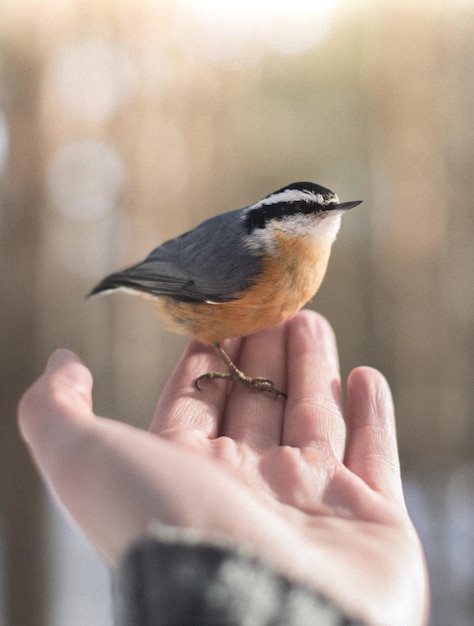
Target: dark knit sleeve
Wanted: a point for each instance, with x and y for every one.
(176, 577)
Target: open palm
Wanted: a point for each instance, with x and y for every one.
(312, 491)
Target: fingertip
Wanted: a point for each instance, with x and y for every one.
(311, 322)
(366, 374)
(55, 417)
(312, 352)
(66, 367)
(61, 356)
(62, 390)
(368, 388)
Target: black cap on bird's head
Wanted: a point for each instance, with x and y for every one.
(302, 198)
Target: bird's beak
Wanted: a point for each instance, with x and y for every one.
(345, 206)
(342, 207)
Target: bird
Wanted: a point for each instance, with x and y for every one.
(240, 271)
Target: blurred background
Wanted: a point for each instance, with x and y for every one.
(124, 123)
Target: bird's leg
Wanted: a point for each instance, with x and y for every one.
(262, 384)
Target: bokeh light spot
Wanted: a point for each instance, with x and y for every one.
(94, 78)
(85, 178)
(235, 34)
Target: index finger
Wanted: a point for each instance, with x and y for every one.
(182, 406)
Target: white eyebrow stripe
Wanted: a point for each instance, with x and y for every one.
(290, 195)
(293, 195)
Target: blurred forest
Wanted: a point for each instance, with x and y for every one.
(125, 123)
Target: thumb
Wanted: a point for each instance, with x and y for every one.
(56, 408)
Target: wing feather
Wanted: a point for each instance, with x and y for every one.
(209, 263)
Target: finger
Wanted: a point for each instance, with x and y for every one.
(56, 405)
(314, 415)
(61, 396)
(372, 452)
(184, 407)
(97, 467)
(254, 417)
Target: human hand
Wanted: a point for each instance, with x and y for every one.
(317, 495)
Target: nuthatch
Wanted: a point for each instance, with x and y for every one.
(240, 271)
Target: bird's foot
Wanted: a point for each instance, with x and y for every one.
(259, 383)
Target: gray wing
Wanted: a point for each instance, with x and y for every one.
(209, 263)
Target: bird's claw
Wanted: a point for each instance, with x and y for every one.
(258, 383)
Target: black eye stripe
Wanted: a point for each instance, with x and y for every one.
(260, 216)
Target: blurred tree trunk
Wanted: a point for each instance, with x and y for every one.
(20, 199)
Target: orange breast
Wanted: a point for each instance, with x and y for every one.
(290, 277)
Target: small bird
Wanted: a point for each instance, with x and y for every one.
(240, 271)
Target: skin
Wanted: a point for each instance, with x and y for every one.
(313, 491)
